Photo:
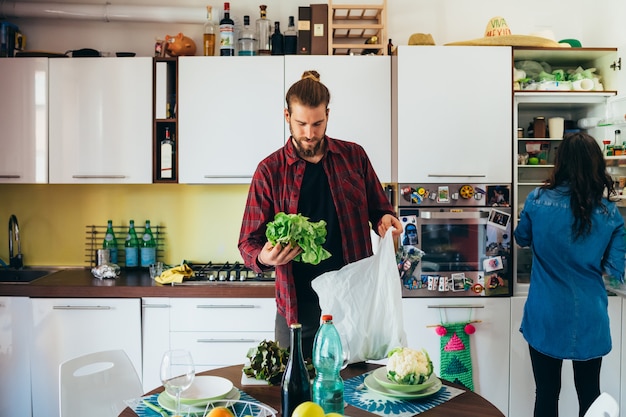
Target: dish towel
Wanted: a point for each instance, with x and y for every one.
(456, 358)
(358, 395)
(175, 274)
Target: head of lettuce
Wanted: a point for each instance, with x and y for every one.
(296, 229)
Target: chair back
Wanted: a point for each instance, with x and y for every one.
(604, 406)
(97, 384)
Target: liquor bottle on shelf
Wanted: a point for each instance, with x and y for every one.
(167, 156)
(278, 41)
(295, 386)
(209, 33)
(291, 38)
(148, 247)
(328, 359)
(110, 242)
(227, 33)
(263, 30)
(131, 246)
(247, 39)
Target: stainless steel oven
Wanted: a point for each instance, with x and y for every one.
(456, 240)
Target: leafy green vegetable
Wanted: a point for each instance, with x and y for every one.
(296, 229)
(268, 362)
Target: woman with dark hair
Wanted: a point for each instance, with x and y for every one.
(576, 234)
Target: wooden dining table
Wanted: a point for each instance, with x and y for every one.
(467, 404)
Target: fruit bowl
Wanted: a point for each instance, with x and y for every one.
(238, 408)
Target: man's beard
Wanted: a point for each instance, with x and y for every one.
(306, 153)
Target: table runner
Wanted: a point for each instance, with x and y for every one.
(358, 395)
(143, 411)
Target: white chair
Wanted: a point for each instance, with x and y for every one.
(97, 384)
(604, 406)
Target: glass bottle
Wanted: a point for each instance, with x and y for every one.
(110, 242)
(167, 155)
(227, 33)
(389, 47)
(539, 127)
(278, 41)
(295, 386)
(247, 39)
(148, 247)
(328, 360)
(291, 38)
(131, 247)
(209, 33)
(263, 30)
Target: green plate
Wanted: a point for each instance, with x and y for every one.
(167, 402)
(371, 383)
(381, 377)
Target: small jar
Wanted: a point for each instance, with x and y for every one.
(539, 127)
(618, 150)
(520, 132)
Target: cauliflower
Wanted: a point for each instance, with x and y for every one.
(409, 367)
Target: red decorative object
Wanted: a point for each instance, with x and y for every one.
(441, 331)
(470, 329)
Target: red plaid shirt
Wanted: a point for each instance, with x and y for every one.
(356, 191)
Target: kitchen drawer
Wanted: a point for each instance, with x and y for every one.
(216, 349)
(222, 314)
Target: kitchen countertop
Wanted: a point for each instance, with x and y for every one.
(79, 282)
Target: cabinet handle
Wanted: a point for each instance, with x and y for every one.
(227, 176)
(9, 176)
(458, 175)
(456, 306)
(225, 306)
(82, 308)
(81, 177)
(155, 306)
(226, 340)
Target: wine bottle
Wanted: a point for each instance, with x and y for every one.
(110, 242)
(295, 386)
(209, 33)
(131, 247)
(148, 247)
(263, 31)
(291, 38)
(278, 41)
(227, 33)
(247, 39)
(167, 155)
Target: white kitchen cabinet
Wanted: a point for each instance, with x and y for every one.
(489, 345)
(522, 396)
(360, 101)
(63, 328)
(101, 120)
(453, 114)
(155, 334)
(15, 333)
(229, 116)
(24, 121)
(220, 331)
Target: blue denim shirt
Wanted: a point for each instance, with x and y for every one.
(566, 315)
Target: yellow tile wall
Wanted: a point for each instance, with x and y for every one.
(202, 221)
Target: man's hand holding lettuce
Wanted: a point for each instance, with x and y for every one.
(296, 229)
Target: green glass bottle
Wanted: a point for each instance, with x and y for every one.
(131, 247)
(148, 247)
(110, 242)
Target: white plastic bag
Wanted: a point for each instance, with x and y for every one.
(365, 299)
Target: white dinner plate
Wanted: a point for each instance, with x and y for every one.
(205, 388)
(381, 377)
(371, 383)
(169, 403)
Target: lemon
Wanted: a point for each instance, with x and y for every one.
(334, 415)
(308, 409)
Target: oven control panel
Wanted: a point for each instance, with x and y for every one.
(450, 195)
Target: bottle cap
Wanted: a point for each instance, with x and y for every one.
(295, 325)
(327, 317)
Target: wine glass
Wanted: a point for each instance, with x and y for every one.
(177, 373)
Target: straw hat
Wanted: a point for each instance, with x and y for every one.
(421, 39)
(498, 33)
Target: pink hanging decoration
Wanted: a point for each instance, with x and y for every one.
(441, 331)
(470, 329)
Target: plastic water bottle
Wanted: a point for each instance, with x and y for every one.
(328, 360)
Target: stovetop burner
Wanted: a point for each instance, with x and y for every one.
(227, 272)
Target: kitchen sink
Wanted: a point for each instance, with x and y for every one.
(23, 275)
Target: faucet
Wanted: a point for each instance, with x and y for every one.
(14, 230)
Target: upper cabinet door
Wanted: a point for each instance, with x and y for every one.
(230, 116)
(454, 114)
(24, 120)
(360, 101)
(101, 120)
